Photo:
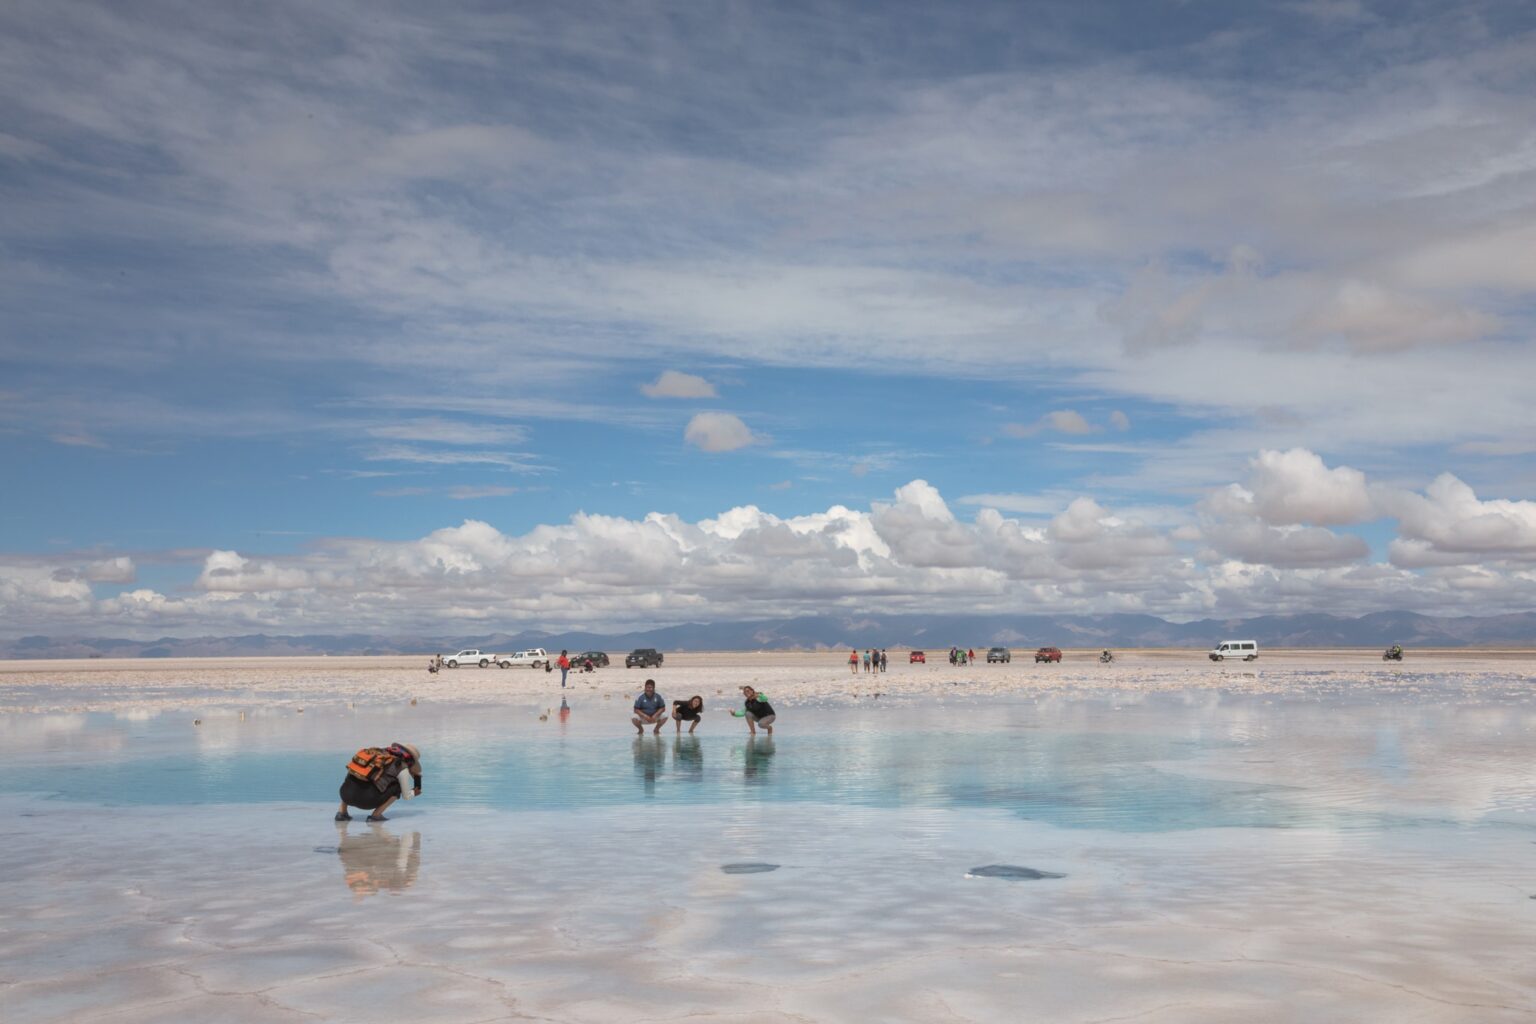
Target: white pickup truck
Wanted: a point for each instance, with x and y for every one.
(474, 657)
(534, 657)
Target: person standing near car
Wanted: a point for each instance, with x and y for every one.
(565, 668)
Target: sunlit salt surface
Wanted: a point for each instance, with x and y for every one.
(1165, 857)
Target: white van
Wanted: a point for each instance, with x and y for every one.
(1248, 650)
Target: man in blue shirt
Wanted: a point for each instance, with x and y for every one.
(650, 709)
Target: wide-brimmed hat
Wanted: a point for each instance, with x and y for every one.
(415, 752)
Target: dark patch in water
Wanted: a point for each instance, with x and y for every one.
(1012, 872)
(749, 868)
(325, 849)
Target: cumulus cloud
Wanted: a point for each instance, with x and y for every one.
(1275, 519)
(718, 432)
(673, 384)
(908, 553)
(1295, 486)
(1449, 525)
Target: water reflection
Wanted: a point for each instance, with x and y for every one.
(650, 758)
(377, 860)
(688, 758)
(758, 760)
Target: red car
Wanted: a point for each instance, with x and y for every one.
(917, 658)
(1047, 654)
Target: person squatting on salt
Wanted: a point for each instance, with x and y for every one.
(650, 709)
(373, 779)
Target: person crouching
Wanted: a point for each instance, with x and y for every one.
(650, 709)
(373, 779)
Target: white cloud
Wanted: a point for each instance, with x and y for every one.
(1375, 318)
(1274, 520)
(1449, 524)
(438, 430)
(1257, 543)
(1063, 421)
(1119, 420)
(718, 432)
(468, 492)
(441, 457)
(909, 553)
(110, 570)
(673, 384)
(1295, 486)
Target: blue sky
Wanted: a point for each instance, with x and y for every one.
(369, 316)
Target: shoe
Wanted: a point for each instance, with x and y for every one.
(343, 816)
(377, 817)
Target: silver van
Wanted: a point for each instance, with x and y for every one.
(1248, 650)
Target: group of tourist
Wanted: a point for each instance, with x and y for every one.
(874, 661)
(651, 710)
(373, 775)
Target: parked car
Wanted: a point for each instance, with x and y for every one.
(917, 658)
(472, 656)
(643, 657)
(534, 657)
(1047, 654)
(597, 658)
(1001, 655)
(1248, 650)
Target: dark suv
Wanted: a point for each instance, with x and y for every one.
(1001, 654)
(643, 657)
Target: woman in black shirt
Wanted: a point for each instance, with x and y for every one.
(690, 711)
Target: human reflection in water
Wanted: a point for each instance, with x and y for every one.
(565, 713)
(377, 860)
(758, 760)
(688, 758)
(649, 758)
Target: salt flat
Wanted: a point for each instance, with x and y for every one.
(1316, 837)
(159, 684)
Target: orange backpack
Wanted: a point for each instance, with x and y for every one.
(369, 763)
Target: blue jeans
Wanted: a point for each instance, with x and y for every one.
(562, 677)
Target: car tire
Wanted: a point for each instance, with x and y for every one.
(451, 664)
(484, 662)
(503, 664)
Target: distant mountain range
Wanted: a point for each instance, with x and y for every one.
(821, 632)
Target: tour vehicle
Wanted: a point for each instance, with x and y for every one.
(1248, 650)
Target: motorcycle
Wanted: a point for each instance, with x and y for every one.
(1106, 658)
(1392, 654)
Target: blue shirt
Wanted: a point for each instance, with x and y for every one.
(649, 703)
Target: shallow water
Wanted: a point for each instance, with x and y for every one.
(1168, 857)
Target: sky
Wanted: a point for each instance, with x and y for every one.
(387, 317)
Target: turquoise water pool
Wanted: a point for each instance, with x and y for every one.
(1081, 765)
